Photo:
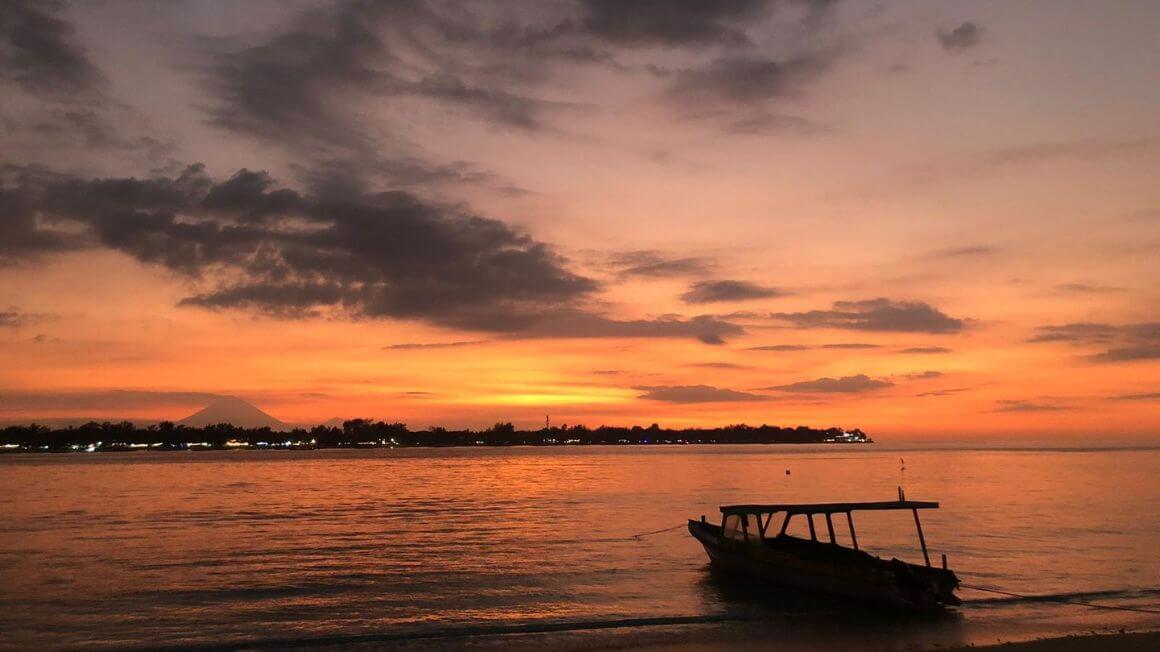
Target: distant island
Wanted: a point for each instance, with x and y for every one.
(364, 433)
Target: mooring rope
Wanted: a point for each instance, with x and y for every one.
(640, 536)
(1048, 598)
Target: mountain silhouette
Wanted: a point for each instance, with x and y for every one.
(233, 410)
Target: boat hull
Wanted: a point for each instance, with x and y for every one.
(850, 575)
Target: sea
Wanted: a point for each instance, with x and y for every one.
(555, 548)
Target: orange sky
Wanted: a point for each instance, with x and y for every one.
(695, 215)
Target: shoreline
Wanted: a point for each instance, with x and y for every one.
(1118, 642)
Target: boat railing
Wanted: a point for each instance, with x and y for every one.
(746, 518)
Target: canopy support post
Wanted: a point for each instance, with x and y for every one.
(853, 537)
(830, 527)
(921, 539)
(813, 533)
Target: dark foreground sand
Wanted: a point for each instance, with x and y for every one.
(1102, 642)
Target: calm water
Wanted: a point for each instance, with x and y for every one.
(527, 547)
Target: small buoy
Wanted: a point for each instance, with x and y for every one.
(787, 471)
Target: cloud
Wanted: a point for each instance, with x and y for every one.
(1077, 332)
(967, 35)
(1027, 406)
(924, 350)
(1126, 342)
(943, 392)
(1084, 150)
(332, 86)
(719, 365)
(15, 318)
(1149, 396)
(568, 323)
(696, 394)
(969, 251)
(1085, 288)
(408, 346)
(876, 315)
(845, 384)
(924, 375)
(745, 80)
(672, 23)
(117, 399)
(10, 319)
(653, 264)
(839, 346)
(39, 52)
(719, 291)
(1129, 353)
(250, 244)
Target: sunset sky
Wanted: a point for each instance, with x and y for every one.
(919, 218)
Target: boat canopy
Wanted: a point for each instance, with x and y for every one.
(752, 522)
(829, 508)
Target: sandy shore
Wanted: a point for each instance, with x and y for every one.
(1101, 642)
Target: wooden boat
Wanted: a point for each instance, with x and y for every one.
(750, 542)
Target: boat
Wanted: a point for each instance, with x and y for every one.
(750, 542)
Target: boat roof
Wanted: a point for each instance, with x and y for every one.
(829, 508)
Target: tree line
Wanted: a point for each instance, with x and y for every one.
(368, 433)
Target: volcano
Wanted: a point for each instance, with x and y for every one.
(232, 410)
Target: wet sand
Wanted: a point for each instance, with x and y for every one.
(1102, 642)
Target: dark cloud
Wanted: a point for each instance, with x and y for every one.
(1027, 406)
(653, 264)
(967, 35)
(718, 291)
(924, 375)
(1149, 396)
(57, 104)
(943, 392)
(845, 384)
(745, 80)
(970, 251)
(409, 346)
(39, 51)
(1077, 332)
(1125, 342)
(16, 318)
(330, 87)
(926, 350)
(1067, 150)
(574, 323)
(671, 22)
(1086, 288)
(697, 394)
(265, 248)
(102, 399)
(1129, 353)
(719, 365)
(876, 315)
(840, 346)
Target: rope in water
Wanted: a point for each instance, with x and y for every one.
(1048, 598)
(640, 536)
